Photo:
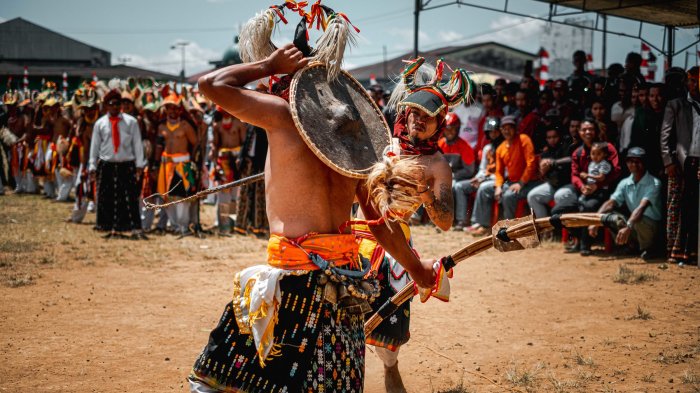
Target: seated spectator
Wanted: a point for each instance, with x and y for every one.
(469, 114)
(572, 138)
(640, 193)
(460, 156)
(580, 160)
(579, 61)
(485, 178)
(561, 101)
(555, 170)
(515, 174)
(509, 105)
(622, 112)
(598, 169)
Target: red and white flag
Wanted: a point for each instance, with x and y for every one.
(25, 80)
(589, 64)
(373, 80)
(648, 66)
(543, 66)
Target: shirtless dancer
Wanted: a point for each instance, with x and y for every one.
(79, 155)
(62, 128)
(418, 132)
(229, 135)
(176, 174)
(306, 203)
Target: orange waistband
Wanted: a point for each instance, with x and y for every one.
(293, 254)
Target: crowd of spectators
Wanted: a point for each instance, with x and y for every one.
(588, 143)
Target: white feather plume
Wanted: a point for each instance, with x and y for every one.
(330, 47)
(254, 43)
(422, 76)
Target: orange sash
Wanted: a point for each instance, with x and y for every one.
(171, 163)
(293, 254)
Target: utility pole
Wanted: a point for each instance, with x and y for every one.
(385, 64)
(182, 45)
(416, 15)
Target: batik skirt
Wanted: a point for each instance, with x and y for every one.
(251, 216)
(117, 197)
(320, 347)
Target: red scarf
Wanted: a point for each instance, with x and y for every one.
(424, 147)
(115, 132)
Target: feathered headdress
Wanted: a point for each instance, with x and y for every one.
(255, 39)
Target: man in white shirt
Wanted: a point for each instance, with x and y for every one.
(117, 161)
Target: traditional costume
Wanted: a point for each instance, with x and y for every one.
(435, 99)
(77, 153)
(116, 153)
(250, 209)
(296, 324)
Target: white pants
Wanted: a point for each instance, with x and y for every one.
(388, 357)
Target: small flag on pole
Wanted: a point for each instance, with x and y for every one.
(25, 80)
(65, 85)
(589, 64)
(544, 67)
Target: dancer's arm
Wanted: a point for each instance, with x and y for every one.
(226, 87)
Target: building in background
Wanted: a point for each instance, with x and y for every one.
(47, 55)
(561, 41)
(486, 61)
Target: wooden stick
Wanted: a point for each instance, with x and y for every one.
(516, 231)
(241, 182)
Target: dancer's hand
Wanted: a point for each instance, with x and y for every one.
(424, 276)
(286, 60)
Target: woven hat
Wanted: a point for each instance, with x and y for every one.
(435, 97)
(11, 97)
(338, 120)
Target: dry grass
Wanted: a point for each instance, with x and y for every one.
(457, 389)
(584, 361)
(626, 275)
(526, 379)
(649, 378)
(641, 314)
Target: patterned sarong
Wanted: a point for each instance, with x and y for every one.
(394, 331)
(278, 334)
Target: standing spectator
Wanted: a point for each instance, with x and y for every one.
(646, 129)
(509, 105)
(561, 100)
(599, 112)
(490, 109)
(639, 193)
(460, 156)
(633, 65)
(484, 180)
(572, 138)
(622, 113)
(526, 115)
(680, 150)
(579, 61)
(469, 117)
(515, 172)
(117, 161)
(579, 162)
(555, 170)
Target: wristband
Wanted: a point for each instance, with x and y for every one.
(630, 224)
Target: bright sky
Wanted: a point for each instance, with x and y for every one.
(142, 31)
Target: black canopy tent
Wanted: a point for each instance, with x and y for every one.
(671, 14)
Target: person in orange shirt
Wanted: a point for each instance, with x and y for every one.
(516, 172)
(460, 156)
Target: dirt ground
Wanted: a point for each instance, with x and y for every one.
(83, 314)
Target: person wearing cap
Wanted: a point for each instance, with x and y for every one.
(639, 193)
(228, 136)
(461, 158)
(680, 150)
(485, 178)
(516, 173)
(275, 332)
(116, 162)
(177, 177)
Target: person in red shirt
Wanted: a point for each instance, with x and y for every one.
(460, 156)
(516, 173)
(528, 119)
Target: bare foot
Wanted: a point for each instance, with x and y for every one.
(392, 380)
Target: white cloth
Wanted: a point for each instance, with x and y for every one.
(469, 117)
(624, 118)
(130, 144)
(259, 308)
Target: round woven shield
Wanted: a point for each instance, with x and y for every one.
(338, 120)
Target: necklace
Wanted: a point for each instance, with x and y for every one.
(173, 127)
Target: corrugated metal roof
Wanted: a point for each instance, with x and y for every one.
(680, 13)
(117, 71)
(21, 40)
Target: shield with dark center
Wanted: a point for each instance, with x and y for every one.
(338, 120)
